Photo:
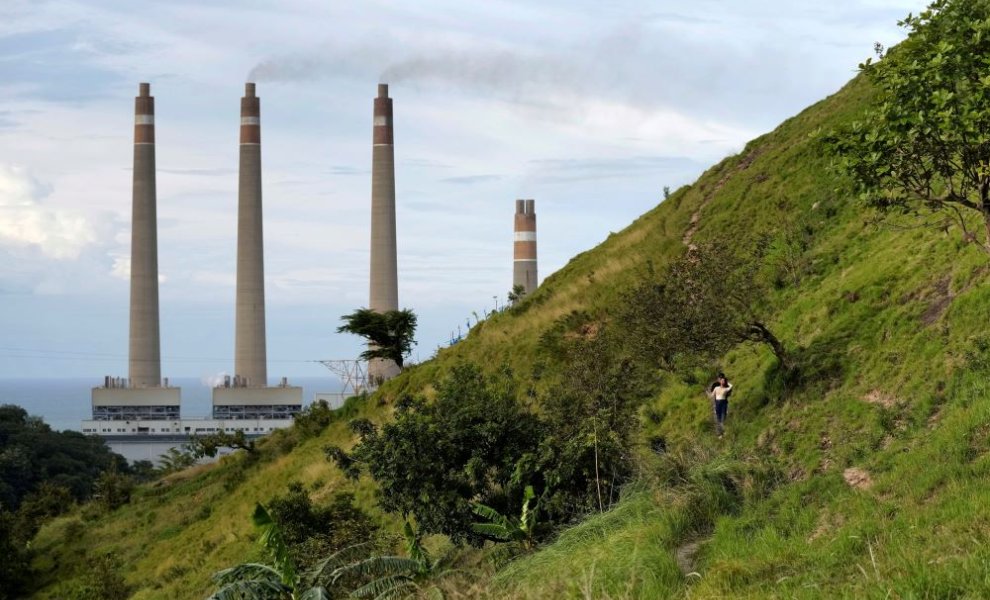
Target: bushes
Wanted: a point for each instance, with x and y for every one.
(436, 458)
(315, 531)
(478, 443)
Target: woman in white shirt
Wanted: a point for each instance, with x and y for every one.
(719, 393)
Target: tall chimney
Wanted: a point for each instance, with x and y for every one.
(384, 279)
(249, 337)
(524, 246)
(144, 363)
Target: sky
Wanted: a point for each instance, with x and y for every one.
(590, 108)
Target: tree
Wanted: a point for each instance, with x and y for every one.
(666, 192)
(390, 334)
(281, 579)
(589, 422)
(437, 458)
(517, 293)
(312, 531)
(926, 144)
(209, 445)
(177, 459)
(710, 300)
(32, 454)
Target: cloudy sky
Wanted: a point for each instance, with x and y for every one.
(589, 107)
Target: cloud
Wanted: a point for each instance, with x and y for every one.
(471, 179)
(24, 222)
(121, 269)
(579, 169)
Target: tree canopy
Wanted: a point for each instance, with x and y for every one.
(926, 143)
(710, 300)
(390, 334)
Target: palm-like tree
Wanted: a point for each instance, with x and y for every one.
(280, 580)
(398, 576)
(510, 529)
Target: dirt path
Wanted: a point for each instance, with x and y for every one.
(696, 217)
(685, 555)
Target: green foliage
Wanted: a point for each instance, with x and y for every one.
(314, 531)
(510, 529)
(102, 581)
(177, 459)
(476, 444)
(15, 566)
(31, 454)
(48, 501)
(438, 457)
(281, 579)
(516, 294)
(390, 334)
(113, 489)
(209, 445)
(926, 142)
(588, 428)
(397, 576)
(710, 300)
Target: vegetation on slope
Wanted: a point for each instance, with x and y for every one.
(857, 470)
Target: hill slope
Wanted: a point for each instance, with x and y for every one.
(862, 477)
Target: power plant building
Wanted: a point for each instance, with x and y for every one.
(139, 416)
(384, 283)
(143, 394)
(246, 395)
(524, 247)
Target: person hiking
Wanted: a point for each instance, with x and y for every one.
(719, 393)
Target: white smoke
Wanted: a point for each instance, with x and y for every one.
(214, 380)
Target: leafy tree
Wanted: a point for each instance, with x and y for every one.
(666, 192)
(31, 454)
(177, 459)
(209, 445)
(589, 424)
(926, 144)
(48, 501)
(113, 489)
(437, 458)
(103, 581)
(390, 334)
(710, 300)
(15, 568)
(517, 293)
(313, 531)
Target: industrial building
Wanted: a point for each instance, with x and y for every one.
(143, 394)
(384, 281)
(130, 411)
(246, 395)
(524, 247)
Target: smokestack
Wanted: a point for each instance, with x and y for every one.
(144, 363)
(384, 278)
(249, 337)
(524, 246)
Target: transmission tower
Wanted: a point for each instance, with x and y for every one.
(352, 373)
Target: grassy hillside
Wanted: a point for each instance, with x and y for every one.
(861, 473)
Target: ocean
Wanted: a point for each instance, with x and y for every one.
(63, 403)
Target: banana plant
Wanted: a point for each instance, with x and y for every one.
(391, 577)
(281, 579)
(504, 528)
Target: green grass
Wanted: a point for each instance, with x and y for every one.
(887, 325)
